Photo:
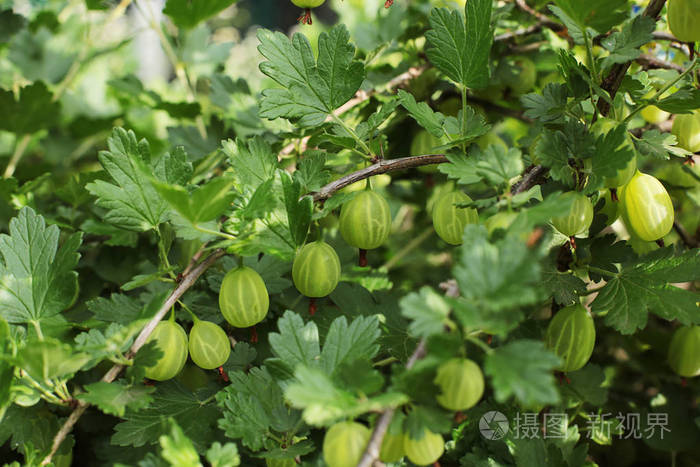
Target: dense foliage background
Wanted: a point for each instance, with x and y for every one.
(147, 153)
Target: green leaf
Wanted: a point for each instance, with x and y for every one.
(428, 312)
(254, 162)
(10, 24)
(681, 101)
(523, 369)
(587, 384)
(311, 90)
(49, 359)
(656, 144)
(311, 173)
(299, 211)
(601, 15)
(495, 165)
(324, 403)
(33, 110)
(6, 369)
(422, 113)
(565, 287)
(118, 308)
(131, 201)
(460, 48)
(223, 456)
(174, 168)
(171, 399)
(495, 279)
(624, 45)
(115, 235)
(114, 398)
(557, 148)
(612, 154)
(345, 343)
(548, 107)
(203, 204)
(253, 405)
(177, 448)
(37, 279)
(645, 286)
(296, 343)
(187, 13)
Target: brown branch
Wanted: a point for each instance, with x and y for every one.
(187, 281)
(383, 166)
(374, 445)
(534, 175)
(542, 18)
(506, 36)
(687, 239)
(649, 62)
(611, 83)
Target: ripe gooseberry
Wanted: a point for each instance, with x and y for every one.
(392, 448)
(365, 220)
(344, 444)
(686, 128)
(209, 345)
(449, 219)
(243, 297)
(426, 450)
(684, 351)
(579, 217)
(316, 269)
(171, 339)
(683, 19)
(461, 382)
(571, 336)
(646, 207)
(518, 73)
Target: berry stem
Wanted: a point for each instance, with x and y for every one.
(362, 262)
(305, 17)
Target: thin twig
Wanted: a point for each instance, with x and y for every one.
(688, 239)
(518, 33)
(542, 18)
(383, 166)
(611, 83)
(374, 445)
(187, 282)
(649, 61)
(533, 176)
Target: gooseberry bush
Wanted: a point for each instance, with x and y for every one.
(403, 233)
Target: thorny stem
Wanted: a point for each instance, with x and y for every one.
(383, 166)
(187, 282)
